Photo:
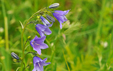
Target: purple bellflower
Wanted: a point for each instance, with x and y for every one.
(39, 63)
(42, 30)
(38, 44)
(45, 22)
(60, 16)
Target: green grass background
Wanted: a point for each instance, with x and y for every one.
(84, 44)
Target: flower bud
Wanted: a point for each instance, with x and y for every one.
(51, 19)
(14, 55)
(55, 5)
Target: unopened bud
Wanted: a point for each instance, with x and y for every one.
(51, 19)
(55, 5)
(14, 55)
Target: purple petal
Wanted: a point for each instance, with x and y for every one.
(36, 59)
(36, 37)
(44, 20)
(38, 50)
(39, 63)
(47, 31)
(40, 32)
(45, 64)
(41, 27)
(60, 24)
(39, 68)
(31, 42)
(58, 17)
(49, 25)
(43, 46)
(45, 60)
(61, 19)
(34, 69)
(40, 39)
(65, 19)
(62, 12)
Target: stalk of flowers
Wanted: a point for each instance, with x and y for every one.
(37, 43)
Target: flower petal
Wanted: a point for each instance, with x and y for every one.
(40, 32)
(34, 69)
(38, 50)
(40, 26)
(49, 25)
(45, 64)
(47, 31)
(59, 17)
(62, 12)
(44, 20)
(39, 63)
(60, 24)
(31, 42)
(39, 68)
(45, 60)
(43, 46)
(36, 59)
(40, 39)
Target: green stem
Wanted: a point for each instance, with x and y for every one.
(23, 48)
(65, 60)
(6, 61)
(100, 22)
(5, 25)
(53, 49)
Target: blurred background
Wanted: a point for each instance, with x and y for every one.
(84, 44)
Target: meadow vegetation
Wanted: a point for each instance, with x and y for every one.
(85, 43)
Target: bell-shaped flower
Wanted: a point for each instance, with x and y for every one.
(42, 29)
(51, 19)
(39, 63)
(38, 44)
(45, 22)
(60, 16)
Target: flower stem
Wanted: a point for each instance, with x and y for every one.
(23, 48)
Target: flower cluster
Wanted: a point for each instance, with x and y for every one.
(43, 29)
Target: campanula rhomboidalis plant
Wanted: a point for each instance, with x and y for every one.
(38, 44)
(42, 24)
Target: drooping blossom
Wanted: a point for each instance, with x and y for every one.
(39, 63)
(60, 16)
(45, 22)
(51, 19)
(38, 44)
(42, 29)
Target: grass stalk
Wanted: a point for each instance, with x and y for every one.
(36, 5)
(5, 53)
(5, 26)
(65, 60)
(100, 22)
